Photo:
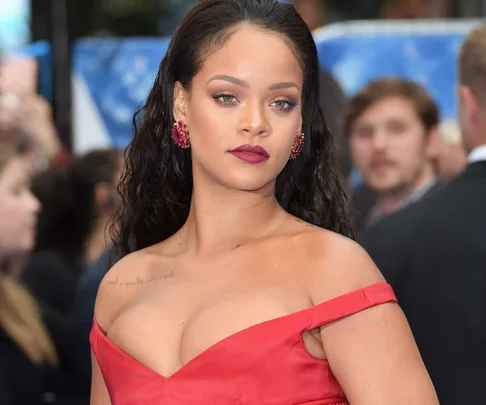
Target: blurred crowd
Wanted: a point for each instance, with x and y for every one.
(55, 211)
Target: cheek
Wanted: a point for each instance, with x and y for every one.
(284, 138)
(9, 224)
(209, 125)
(408, 148)
(413, 139)
(203, 112)
(360, 151)
(12, 211)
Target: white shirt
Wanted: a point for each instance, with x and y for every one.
(477, 155)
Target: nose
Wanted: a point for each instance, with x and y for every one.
(33, 203)
(379, 140)
(253, 120)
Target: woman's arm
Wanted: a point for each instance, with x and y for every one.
(372, 353)
(374, 357)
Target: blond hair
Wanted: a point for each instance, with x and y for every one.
(21, 319)
(20, 316)
(472, 62)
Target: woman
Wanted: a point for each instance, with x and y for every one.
(28, 355)
(72, 233)
(235, 286)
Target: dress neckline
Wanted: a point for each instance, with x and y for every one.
(304, 318)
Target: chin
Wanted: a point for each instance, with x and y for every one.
(19, 250)
(383, 187)
(247, 183)
(26, 246)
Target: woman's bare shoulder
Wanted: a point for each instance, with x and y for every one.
(122, 283)
(336, 265)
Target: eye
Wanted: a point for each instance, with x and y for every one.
(284, 105)
(397, 127)
(225, 98)
(363, 132)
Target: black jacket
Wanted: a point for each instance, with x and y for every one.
(434, 255)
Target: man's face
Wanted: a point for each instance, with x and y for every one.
(389, 145)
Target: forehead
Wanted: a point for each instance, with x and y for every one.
(393, 107)
(254, 55)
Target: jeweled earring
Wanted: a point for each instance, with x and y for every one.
(180, 135)
(297, 146)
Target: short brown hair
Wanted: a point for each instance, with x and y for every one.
(472, 62)
(393, 87)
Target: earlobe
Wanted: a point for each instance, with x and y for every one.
(179, 102)
(469, 102)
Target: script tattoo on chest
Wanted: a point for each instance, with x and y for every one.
(140, 281)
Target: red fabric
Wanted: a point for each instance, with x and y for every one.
(264, 364)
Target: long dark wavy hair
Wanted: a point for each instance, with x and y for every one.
(156, 187)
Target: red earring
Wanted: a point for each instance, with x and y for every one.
(180, 135)
(297, 146)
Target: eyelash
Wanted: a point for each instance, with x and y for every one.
(290, 104)
(218, 96)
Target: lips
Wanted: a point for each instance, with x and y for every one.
(382, 165)
(250, 154)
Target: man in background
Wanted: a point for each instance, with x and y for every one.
(434, 253)
(392, 130)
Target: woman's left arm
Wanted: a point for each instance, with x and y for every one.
(375, 359)
(372, 353)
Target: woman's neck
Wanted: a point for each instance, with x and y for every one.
(222, 219)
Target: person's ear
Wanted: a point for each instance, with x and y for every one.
(469, 105)
(180, 98)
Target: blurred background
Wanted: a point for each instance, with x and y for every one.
(72, 73)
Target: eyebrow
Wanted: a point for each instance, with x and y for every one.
(242, 83)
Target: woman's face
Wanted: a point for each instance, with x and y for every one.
(18, 208)
(247, 93)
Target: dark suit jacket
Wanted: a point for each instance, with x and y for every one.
(26, 383)
(364, 200)
(4, 388)
(434, 255)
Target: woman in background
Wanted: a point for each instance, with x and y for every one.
(77, 203)
(28, 357)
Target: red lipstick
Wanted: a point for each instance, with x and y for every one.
(250, 154)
